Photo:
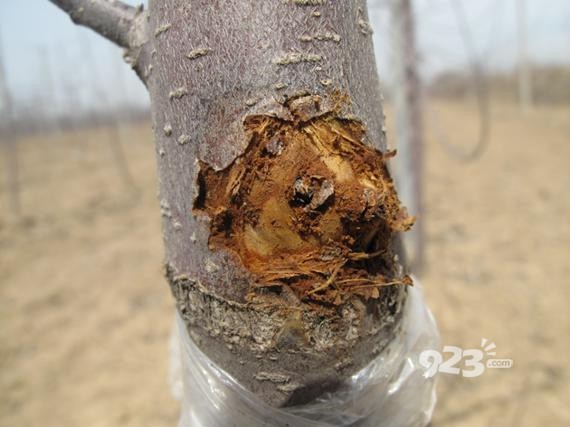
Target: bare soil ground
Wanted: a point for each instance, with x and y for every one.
(85, 314)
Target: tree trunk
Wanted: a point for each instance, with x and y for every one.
(279, 215)
(409, 134)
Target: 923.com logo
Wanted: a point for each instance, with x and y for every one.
(473, 360)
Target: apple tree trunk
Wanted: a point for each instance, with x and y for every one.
(281, 222)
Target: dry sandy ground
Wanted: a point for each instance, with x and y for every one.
(85, 315)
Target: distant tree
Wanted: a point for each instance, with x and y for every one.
(8, 139)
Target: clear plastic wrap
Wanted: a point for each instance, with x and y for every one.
(391, 391)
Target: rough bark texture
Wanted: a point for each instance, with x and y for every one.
(215, 66)
(279, 215)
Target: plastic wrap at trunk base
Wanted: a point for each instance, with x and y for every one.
(390, 392)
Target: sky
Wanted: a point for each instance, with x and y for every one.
(44, 53)
(492, 26)
(50, 61)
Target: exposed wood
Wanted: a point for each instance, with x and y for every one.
(258, 62)
(213, 67)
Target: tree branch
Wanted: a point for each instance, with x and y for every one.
(114, 20)
(124, 25)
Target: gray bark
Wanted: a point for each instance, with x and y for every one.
(209, 66)
(112, 19)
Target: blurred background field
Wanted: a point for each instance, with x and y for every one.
(85, 314)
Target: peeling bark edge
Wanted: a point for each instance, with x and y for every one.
(122, 24)
(315, 354)
(216, 97)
